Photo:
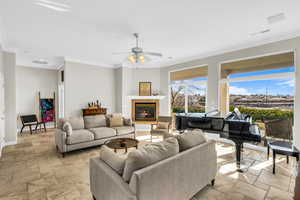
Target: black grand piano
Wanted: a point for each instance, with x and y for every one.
(235, 126)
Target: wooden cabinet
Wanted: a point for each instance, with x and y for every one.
(94, 111)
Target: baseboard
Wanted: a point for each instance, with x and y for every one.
(10, 143)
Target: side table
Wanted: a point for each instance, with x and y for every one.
(282, 148)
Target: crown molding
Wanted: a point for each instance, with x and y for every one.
(279, 38)
(95, 63)
(38, 66)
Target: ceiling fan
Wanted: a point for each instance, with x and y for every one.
(137, 54)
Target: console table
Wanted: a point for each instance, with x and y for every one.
(94, 111)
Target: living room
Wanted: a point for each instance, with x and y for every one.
(85, 95)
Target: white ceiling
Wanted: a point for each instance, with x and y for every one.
(94, 29)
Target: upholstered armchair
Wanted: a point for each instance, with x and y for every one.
(161, 127)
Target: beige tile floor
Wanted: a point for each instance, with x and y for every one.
(33, 170)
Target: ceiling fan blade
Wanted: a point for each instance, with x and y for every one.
(119, 53)
(153, 53)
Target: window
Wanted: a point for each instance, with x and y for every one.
(188, 90)
(188, 95)
(196, 97)
(263, 83)
(261, 87)
(263, 94)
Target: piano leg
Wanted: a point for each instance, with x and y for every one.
(238, 149)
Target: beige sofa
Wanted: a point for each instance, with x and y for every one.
(89, 131)
(178, 177)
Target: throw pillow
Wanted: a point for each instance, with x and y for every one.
(67, 127)
(115, 161)
(149, 154)
(94, 121)
(162, 125)
(115, 122)
(76, 122)
(190, 139)
(117, 115)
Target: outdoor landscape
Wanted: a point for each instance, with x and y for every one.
(260, 98)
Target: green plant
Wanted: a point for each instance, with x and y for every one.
(196, 110)
(260, 114)
(177, 109)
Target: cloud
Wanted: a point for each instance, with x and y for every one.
(288, 83)
(238, 91)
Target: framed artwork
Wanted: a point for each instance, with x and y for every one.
(47, 110)
(145, 88)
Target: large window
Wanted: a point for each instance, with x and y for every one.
(262, 87)
(268, 89)
(188, 95)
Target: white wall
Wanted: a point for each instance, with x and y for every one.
(213, 73)
(1, 32)
(2, 106)
(29, 82)
(127, 84)
(9, 64)
(85, 83)
(145, 75)
(119, 89)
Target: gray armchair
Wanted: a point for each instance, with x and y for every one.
(161, 127)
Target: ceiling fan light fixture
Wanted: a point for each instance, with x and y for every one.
(142, 58)
(137, 55)
(132, 59)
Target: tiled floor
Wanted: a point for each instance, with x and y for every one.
(33, 170)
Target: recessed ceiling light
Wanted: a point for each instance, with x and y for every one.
(276, 18)
(53, 5)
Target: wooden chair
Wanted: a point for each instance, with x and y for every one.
(157, 131)
(31, 120)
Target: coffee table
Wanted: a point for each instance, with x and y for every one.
(283, 148)
(122, 143)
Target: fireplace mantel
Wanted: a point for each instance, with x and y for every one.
(146, 97)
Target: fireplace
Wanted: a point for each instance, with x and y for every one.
(145, 110)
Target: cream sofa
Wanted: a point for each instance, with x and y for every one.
(178, 177)
(89, 131)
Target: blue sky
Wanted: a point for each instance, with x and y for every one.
(274, 86)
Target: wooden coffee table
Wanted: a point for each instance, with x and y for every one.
(122, 143)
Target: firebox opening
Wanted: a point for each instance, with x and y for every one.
(145, 111)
